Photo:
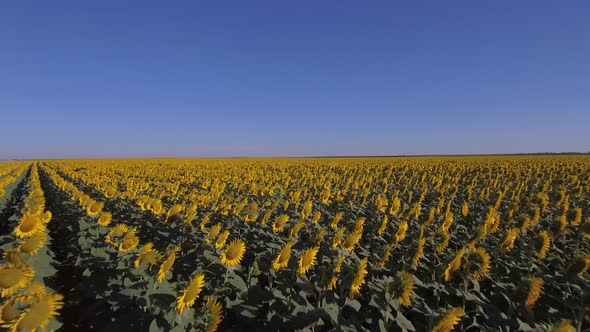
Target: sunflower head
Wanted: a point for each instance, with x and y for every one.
(191, 293)
(307, 260)
(105, 219)
(28, 225)
(233, 253)
(478, 263)
(14, 277)
(447, 322)
(38, 314)
(213, 314)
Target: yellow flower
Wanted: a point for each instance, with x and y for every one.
(336, 220)
(215, 314)
(282, 260)
(167, 264)
(535, 289)
(33, 244)
(307, 260)
(14, 277)
(449, 320)
(191, 293)
(359, 278)
(147, 255)
(38, 314)
(478, 263)
(105, 219)
(338, 237)
(351, 241)
(508, 242)
(232, 255)
(383, 225)
(441, 239)
(406, 288)
(419, 252)
(542, 244)
(454, 264)
(279, 224)
(28, 225)
(94, 208)
(578, 266)
(400, 235)
(130, 241)
(213, 232)
(221, 239)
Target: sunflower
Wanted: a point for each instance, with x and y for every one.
(46, 217)
(449, 320)
(213, 232)
(386, 256)
(359, 278)
(509, 239)
(282, 260)
(174, 213)
(105, 219)
(405, 288)
(359, 225)
(454, 264)
(296, 228)
(147, 255)
(220, 242)
(33, 244)
(319, 237)
(419, 252)
(10, 311)
(204, 221)
(383, 225)
(214, 314)
(167, 264)
(478, 263)
(191, 293)
(307, 260)
(542, 244)
(233, 253)
(13, 256)
(116, 232)
(400, 235)
(564, 326)
(351, 241)
(465, 209)
(578, 266)
(279, 224)
(39, 313)
(441, 239)
(535, 289)
(14, 277)
(130, 241)
(28, 225)
(94, 208)
(336, 220)
(338, 237)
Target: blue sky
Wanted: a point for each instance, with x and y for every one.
(292, 78)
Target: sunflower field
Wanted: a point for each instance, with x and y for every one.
(482, 243)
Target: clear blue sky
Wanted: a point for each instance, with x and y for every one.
(292, 78)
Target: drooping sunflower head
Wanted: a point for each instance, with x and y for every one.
(307, 260)
(282, 259)
(94, 208)
(38, 314)
(221, 239)
(105, 219)
(351, 241)
(359, 278)
(447, 322)
(233, 253)
(14, 277)
(167, 264)
(404, 288)
(46, 217)
(441, 240)
(28, 225)
(534, 292)
(13, 256)
(542, 244)
(478, 263)
(578, 265)
(191, 293)
(116, 234)
(130, 241)
(213, 314)
(11, 309)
